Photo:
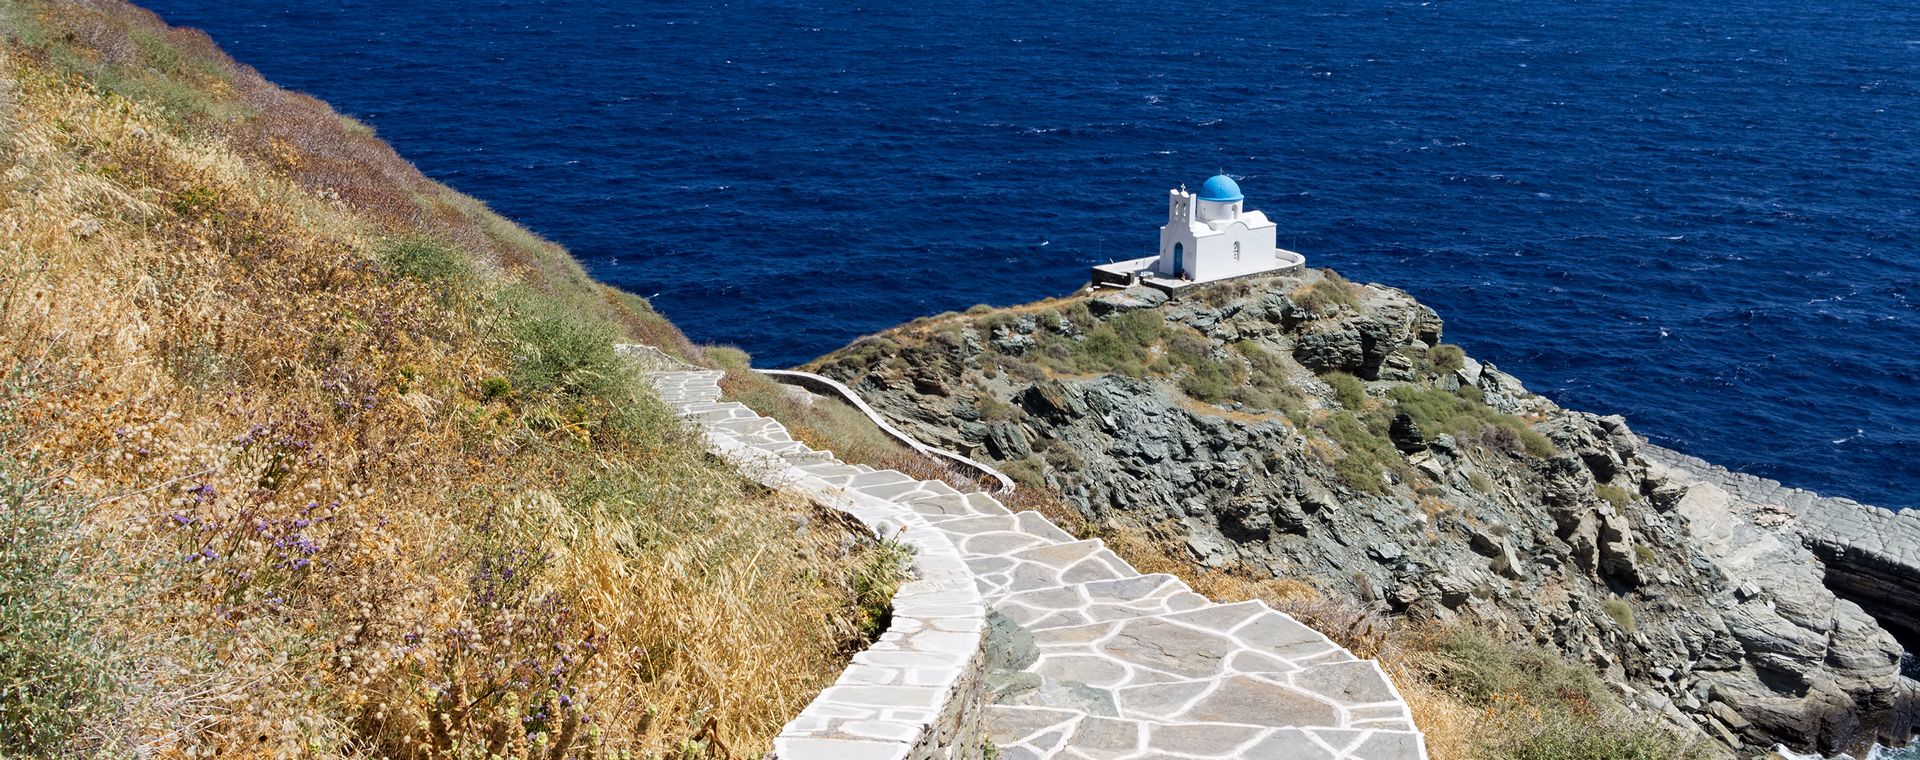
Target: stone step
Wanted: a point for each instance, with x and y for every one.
(907, 489)
(754, 430)
(867, 477)
(1222, 663)
(719, 413)
(780, 447)
(1034, 733)
(998, 535)
(829, 469)
(938, 509)
(1099, 601)
(1045, 566)
(805, 456)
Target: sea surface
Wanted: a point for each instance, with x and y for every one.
(1703, 216)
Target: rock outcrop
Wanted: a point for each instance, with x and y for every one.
(1308, 428)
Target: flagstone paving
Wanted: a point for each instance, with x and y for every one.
(1085, 657)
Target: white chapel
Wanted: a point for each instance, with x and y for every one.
(1208, 236)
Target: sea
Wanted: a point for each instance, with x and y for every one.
(1702, 216)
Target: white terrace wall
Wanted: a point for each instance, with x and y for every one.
(918, 693)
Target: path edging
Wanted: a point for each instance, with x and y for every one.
(817, 383)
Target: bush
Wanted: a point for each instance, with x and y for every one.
(1615, 495)
(1617, 736)
(1366, 454)
(1620, 611)
(561, 352)
(1267, 383)
(1141, 328)
(51, 676)
(422, 258)
(1437, 411)
(876, 578)
(1202, 376)
(1446, 357)
(1329, 294)
(1349, 390)
(1472, 664)
(1119, 345)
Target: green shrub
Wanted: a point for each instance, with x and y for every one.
(1329, 294)
(1437, 411)
(1618, 735)
(1537, 705)
(1029, 472)
(1446, 357)
(495, 388)
(1481, 669)
(1615, 495)
(1620, 611)
(422, 258)
(1349, 390)
(1142, 328)
(51, 670)
(559, 351)
(875, 580)
(1202, 376)
(1366, 454)
(1120, 345)
(728, 357)
(978, 309)
(1267, 384)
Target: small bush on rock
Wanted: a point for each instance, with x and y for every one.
(1348, 389)
(1437, 411)
(1446, 357)
(1366, 454)
(1615, 495)
(1620, 611)
(1329, 294)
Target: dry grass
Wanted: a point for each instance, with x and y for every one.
(302, 507)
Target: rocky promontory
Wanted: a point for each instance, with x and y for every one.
(1303, 427)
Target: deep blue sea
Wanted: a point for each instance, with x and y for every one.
(1703, 216)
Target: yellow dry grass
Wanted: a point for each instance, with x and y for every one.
(306, 526)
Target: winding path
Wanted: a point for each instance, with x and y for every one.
(1013, 631)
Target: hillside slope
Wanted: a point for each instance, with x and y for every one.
(304, 454)
(1312, 441)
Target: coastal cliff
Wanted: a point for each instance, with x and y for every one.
(1303, 427)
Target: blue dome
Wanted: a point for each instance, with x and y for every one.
(1222, 189)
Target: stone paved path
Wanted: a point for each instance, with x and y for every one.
(1089, 658)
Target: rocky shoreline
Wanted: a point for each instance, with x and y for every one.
(1301, 427)
(1871, 554)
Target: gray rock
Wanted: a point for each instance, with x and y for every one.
(1131, 299)
(1007, 441)
(1727, 600)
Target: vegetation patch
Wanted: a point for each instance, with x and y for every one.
(1462, 415)
(1612, 494)
(1329, 294)
(1365, 453)
(1446, 357)
(351, 455)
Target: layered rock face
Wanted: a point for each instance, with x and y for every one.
(1240, 427)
